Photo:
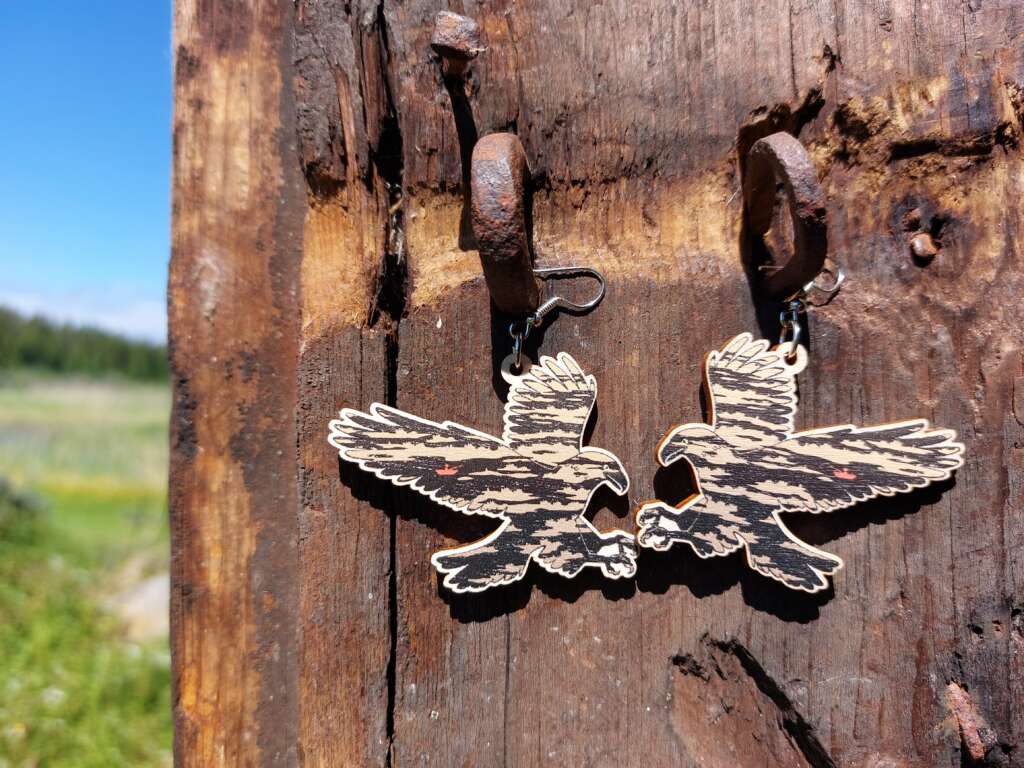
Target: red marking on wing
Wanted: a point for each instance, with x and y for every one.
(447, 471)
(842, 474)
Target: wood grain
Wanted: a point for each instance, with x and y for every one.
(232, 306)
(316, 265)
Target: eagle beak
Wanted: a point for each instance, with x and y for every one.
(618, 481)
(669, 452)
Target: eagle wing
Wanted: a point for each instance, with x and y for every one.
(752, 393)
(548, 408)
(836, 467)
(454, 465)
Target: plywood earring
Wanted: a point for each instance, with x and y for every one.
(537, 479)
(750, 465)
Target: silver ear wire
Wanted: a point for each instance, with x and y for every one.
(560, 302)
(814, 294)
(520, 330)
(817, 293)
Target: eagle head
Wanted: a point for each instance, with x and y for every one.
(605, 468)
(677, 443)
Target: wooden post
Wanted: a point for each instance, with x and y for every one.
(316, 264)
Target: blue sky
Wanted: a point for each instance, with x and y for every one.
(85, 133)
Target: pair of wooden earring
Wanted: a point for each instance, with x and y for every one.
(748, 464)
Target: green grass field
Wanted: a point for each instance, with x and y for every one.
(77, 687)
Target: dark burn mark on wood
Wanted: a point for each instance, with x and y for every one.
(320, 92)
(963, 145)
(184, 443)
(227, 24)
(346, 118)
(688, 665)
(186, 65)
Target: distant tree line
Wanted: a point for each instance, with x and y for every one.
(35, 342)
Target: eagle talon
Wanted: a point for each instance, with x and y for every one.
(659, 526)
(618, 557)
(653, 538)
(615, 569)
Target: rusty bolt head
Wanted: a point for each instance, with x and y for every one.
(923, 247)
(456, 39)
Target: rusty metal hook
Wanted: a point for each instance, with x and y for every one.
(499, 215)
(781, 159)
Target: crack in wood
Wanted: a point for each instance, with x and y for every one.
(963, 145)
(735, 697)
(389, 303)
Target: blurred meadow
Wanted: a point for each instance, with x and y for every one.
(85, 672)
(84, 389)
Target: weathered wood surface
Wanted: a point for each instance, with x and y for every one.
(316, 264)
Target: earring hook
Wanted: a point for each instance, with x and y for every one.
(560, 302)
(520, 330)
(816, 292)
(798, 302)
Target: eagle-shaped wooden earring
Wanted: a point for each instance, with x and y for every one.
(536, 479)
(750, 465)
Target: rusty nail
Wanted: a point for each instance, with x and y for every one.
(922, 246)
(456, 40)
(498, 210)
(976, 736)
(781, 158)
